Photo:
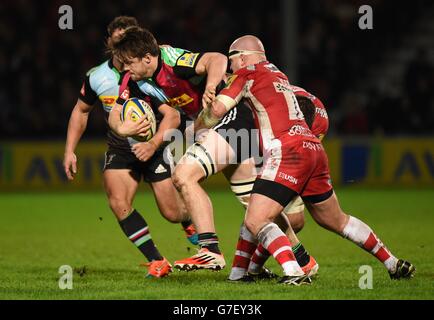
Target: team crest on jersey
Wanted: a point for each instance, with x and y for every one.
(187, 60)
(231, 79)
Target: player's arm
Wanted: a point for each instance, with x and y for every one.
(228, 98)
(76, 127)
(214, 65)
(128, 127)
(214, 112)
(171, 120)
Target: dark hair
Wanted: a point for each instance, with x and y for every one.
(308, 109)
(121, 22)
(136, 42)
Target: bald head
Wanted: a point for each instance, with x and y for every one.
(247, 43)
(245, 51)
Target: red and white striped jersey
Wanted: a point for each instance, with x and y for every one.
(320, 123)
(274, 105)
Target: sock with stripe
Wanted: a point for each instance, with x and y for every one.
(301, 254)
(246, 245)
(258, 259)
(278, 245)
(210, 241)
(361, 234)
(136, 229)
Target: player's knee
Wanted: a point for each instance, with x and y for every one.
(297, 221)
(184, 175)
(120, 207)
(172, 214)
(253, 225)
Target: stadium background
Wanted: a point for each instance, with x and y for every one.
(377, 86)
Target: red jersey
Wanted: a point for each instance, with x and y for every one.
(320, 123)
(274, 105)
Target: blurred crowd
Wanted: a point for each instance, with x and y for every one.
(42, 67)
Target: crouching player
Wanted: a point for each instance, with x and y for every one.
(295, 164)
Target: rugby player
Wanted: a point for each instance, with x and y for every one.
(122, 170)
(249, 260)
(295, 163)
(189, 81)
(185, 77)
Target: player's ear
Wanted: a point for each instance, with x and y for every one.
(147, 58)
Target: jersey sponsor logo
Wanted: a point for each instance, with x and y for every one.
(108, 101)
(160, 169)
(187, 60)
(125, 94)
(180, 101)
(282, 86)
(321, 112)
(231, 79)
(300, 131)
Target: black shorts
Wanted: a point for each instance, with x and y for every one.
(238, 128)
(157, 168)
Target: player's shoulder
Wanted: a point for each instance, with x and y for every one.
(103, 75)
(170, 54)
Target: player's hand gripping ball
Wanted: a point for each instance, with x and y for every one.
(140, 109)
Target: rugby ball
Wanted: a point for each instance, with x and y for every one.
(140, 109)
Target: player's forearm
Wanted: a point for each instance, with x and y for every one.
(76, 127)
(216, 70)
(169, 122)
(114, 119)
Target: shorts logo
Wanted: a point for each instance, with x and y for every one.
(109, 159)
(160, 169)
(187, 59)
(287, 177)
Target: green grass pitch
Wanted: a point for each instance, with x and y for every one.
(43, 231)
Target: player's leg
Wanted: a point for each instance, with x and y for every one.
(121, 187)
(266, 203)
(121, 183)
(157, 171)
(204, 158)
(329, 215)
(250, 257)
(172, 207)
(326, 211)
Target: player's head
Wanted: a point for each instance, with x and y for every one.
(245, 51)
(138, 50)
(117, 27)
(308, 108)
